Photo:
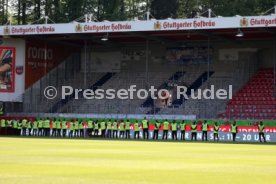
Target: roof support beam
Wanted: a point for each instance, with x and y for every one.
(55, 41)
(153, 38)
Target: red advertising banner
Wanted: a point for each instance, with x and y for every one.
(42, 57)
(248, 129)
(7, 69)
(227, 128)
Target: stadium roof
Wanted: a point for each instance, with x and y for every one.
(169, 30)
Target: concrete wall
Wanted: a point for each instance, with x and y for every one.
(263, 56)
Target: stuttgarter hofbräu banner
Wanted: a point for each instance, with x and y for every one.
(143, 25)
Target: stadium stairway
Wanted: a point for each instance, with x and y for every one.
(205, 108)
(195, 85)
(255, 100)
(95, 86)
(175, 77)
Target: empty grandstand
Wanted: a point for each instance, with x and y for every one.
(165, 59)
(255, 100)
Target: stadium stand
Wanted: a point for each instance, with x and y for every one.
(195, 85)
(79, 75)
(122, 80)
(190, 76)
(174, 78)
(96, 85)
(67, 73)
(193, 106)
(256, 100)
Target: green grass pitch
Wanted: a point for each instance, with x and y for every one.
(46, 161)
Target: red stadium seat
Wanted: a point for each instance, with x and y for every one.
(255, 100)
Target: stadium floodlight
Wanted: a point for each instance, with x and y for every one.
(105, 37)
(240, 33)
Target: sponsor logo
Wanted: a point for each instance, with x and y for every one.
(40, 53)
(262, 22)
(31, 29)
(6, 30)
(19, 70)
(106, 27)
(78, 28)
(157, 25)
(244, 22)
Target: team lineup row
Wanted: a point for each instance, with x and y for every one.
(112, 129)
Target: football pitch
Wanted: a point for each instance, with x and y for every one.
(44, 161)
